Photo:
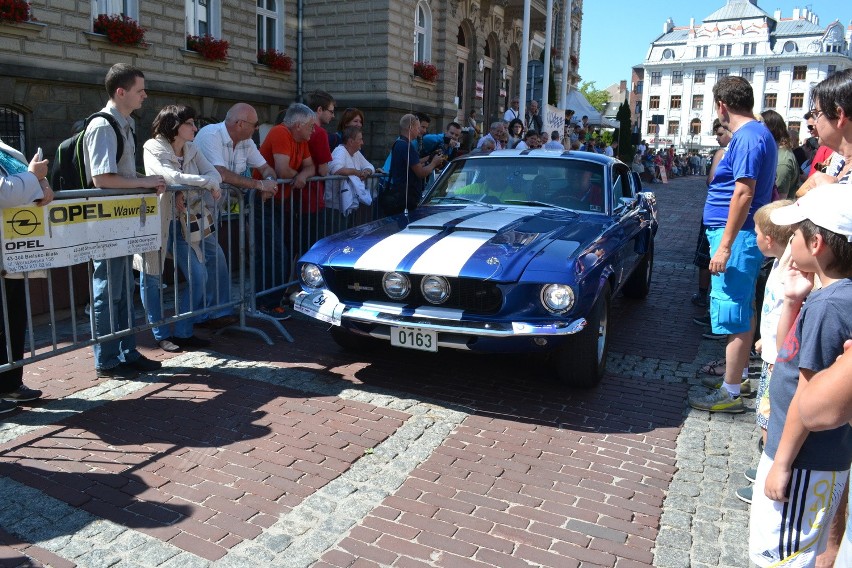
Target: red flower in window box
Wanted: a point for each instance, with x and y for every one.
(208, 47)
(426, 70)
(15, 11)
(275, 59)
(119, 29)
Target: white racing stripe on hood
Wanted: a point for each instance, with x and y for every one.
(495, 220)
(449, 255)
(438, 220)
(389, 252)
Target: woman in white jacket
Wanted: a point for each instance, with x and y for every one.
(188, 229)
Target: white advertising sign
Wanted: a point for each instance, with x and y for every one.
(72, 231)
(554, 119)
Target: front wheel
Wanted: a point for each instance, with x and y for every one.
(581, 362)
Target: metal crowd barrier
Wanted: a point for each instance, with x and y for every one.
(260, 241)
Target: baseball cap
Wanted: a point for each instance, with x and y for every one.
(827, 206)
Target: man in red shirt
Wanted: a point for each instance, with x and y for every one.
(286, 149)
(311, 215)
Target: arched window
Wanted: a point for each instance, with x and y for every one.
(203, 17)
(422, 32)
(129, 8)
(695, 126)
(12, 128)
(270, 28)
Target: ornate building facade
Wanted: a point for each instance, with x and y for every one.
(782, 57)
(362, 51)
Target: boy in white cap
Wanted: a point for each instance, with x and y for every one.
(802, 474)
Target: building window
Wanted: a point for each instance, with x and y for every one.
(675, 101)
(700, 51)
(697, 102)
(790, 47)
(770, 100)
(750, 48)
(129, 8)
(700, 75)
(269, 31)
(722, 73)
(639, 86)
(677, 77)
(747, 73)
(800, 72)
(656, 77)
(203, 17)
(695, 126)
(831, 70)
(654, 102)
(772, 73)
(797, 100)
(795, 125)
(12, 129)
(668, 54)
(725, 50)
(674, 127)
(652, 128)
(423, 32)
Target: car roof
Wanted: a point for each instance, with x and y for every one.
(541, 153)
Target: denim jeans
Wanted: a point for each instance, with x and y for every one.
(200, 290)
(110, 280)
(271, 263)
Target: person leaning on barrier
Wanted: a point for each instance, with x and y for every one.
(20, 184)
(117, 358)
(229, 147)
(311, 199)
(188, 229)
(286, 148)
(347, 160)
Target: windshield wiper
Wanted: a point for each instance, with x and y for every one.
(467, 199)
(541, 203)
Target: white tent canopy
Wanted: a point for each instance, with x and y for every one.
(576, 101)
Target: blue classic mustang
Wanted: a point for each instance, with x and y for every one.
(511, 252)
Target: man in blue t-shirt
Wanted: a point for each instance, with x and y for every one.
(406, 171)
(742, 184)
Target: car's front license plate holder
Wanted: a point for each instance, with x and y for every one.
(414, 338)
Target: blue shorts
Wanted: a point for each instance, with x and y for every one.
(732, 292)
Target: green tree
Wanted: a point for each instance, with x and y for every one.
(625, 148)
(597, 97)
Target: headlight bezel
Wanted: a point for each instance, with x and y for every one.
(444, 285)
(402, 278)
(303, 276)
(557, 308)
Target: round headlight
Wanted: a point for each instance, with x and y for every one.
(435, 289)
(396, 285)
(557, 297)
(312, 275)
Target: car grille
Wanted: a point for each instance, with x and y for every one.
(467, 294)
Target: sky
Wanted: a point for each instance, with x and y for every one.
(618, 33)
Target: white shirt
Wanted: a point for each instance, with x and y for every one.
(608, 151)
(215, 143)
(510, 115)
(346, 195)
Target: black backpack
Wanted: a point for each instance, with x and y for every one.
(69, 167)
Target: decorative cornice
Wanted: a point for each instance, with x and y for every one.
(22, 29)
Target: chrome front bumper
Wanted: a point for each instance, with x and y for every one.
(324, 305)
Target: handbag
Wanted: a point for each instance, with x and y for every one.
(197, 225)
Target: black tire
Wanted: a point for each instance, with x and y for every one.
(581, 362)
(639, 283)
(350, 341)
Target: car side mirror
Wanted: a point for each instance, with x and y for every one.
(626, 204)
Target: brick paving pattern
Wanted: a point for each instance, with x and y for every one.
(303, 455)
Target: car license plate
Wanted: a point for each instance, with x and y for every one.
(413, 338)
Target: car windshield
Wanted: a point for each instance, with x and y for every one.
(558, 182)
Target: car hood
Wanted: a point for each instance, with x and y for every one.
(495, 243)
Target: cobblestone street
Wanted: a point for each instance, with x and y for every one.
(301, 454)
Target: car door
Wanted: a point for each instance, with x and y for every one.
(627, 215)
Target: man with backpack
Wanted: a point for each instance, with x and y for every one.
(112, 307)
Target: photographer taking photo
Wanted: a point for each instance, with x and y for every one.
(446, 143)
